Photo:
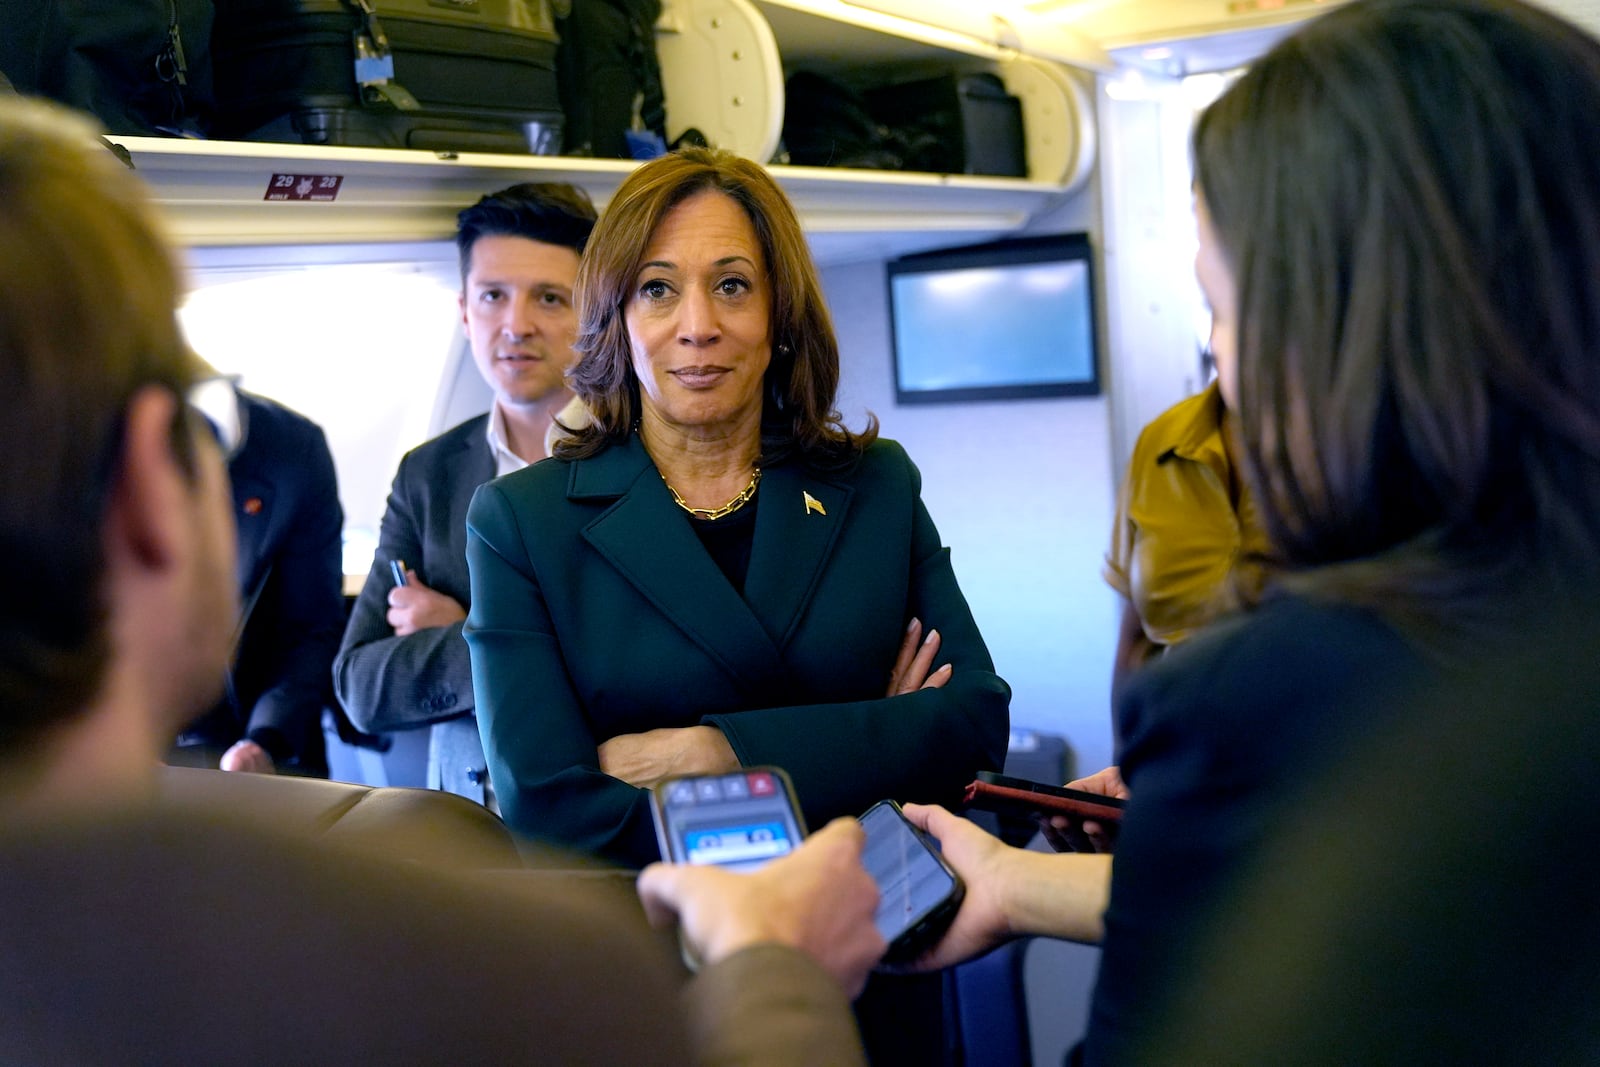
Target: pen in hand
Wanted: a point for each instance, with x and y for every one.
(419, 608)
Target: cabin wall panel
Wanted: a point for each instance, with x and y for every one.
(1022, 493)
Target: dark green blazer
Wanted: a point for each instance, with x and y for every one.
(596, 611)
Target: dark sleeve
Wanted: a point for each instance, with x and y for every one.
(308, 575)
(923, 746)
(1221, 739)
(773, 1006)
(515, 652)
(387, 682)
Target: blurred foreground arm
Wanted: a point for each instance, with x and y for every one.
(757, 999)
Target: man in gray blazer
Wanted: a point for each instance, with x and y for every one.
(403, 664)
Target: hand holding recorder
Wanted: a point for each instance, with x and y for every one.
(817, 898)
(748, 821)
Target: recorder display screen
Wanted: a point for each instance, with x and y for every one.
(738, 821)
(729, 845)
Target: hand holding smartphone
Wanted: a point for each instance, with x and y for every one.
(1019, 796)
(1059, 812)
(745, 819)
(918, 892)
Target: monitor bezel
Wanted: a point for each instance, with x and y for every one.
(1050, 248)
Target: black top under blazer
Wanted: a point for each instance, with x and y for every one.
(596, 611)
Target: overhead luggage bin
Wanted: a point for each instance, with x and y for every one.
(867, 31)
(868, 44)
(1058, 118)
(723, 68)
(217, 194)
(722, 75)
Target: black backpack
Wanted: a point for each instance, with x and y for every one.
(140, 66)
(605, 65)
(828, 124)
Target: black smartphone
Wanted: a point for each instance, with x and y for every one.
(739, 820)
(397, 571)
(1019, 796)
(918, 892)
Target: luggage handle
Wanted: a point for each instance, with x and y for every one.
(374, 62)
(171, 65)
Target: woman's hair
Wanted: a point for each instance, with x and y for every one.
(803, 377)
(1408, 195)
(88, 302)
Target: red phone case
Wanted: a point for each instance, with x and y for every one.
(988, 796)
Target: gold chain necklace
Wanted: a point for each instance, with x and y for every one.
(709, 514)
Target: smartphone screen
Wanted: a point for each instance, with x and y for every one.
(917, 892)
(739, 820)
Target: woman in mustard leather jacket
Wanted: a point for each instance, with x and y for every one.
(1186, 535)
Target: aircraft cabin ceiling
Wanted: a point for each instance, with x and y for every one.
(1116, 23)
(1177, 37)
(1184, 36)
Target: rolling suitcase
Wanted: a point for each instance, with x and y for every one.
(139, 66)
(445, 75)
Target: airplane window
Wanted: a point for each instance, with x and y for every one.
(361, 349)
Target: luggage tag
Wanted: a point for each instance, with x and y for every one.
(374, 63)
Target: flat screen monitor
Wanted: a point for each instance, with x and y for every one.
(995, 321)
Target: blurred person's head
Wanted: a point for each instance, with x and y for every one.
(519, 250)
(115, 521)
(1408, 213)
(673, 197)
(1211, 270)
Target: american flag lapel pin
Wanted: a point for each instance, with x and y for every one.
(813, 504)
